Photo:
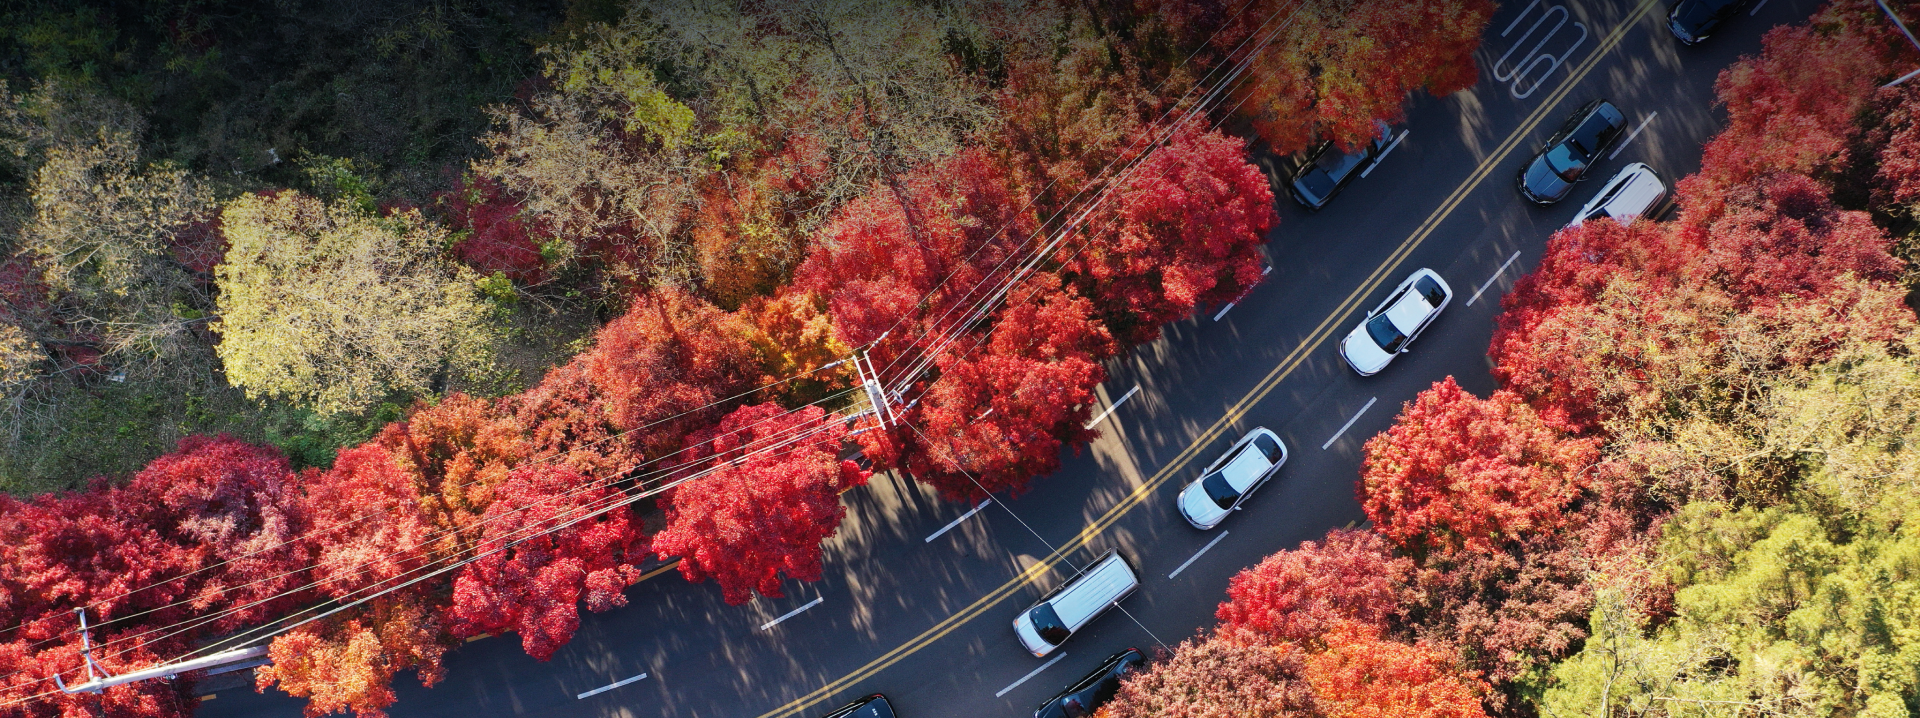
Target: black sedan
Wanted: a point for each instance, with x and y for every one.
(1321, 172)
(1693, 20)
(1087, 694)
(1571, 151)
(873, 706)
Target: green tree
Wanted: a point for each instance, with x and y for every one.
(332, 308)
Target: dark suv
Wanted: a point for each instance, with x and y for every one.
(1571, 152)
(1693, 20)
(1087, 694)
(1321, 172)
(873, 706)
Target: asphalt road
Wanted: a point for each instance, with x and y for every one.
(927, 622)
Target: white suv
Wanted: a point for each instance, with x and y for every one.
(1393, 325)
(1634, 191)
(1230, 479)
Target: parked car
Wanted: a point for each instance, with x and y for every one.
(1634, 191)
(1086, 695)
(1391, 327)
(1694, 20)
(873, 706)
(1074, 604)
(1571, 151)
(1322, 171)
(1230, 479)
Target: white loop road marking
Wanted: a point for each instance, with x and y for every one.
(956, 522)
(1196, 554)
(1381, 158)
(1518, 72)
(1223, 311)
(1496, 275)
(1630, 136)
(792, 613)
(1103, 415)
(1756, 8)
(1349, 424)
(608, 687)
(1036, 671)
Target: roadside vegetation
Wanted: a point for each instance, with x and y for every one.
(1693, 495)
(462, 280)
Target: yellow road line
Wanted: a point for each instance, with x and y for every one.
(1239, 408)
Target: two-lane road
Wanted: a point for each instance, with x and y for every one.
(926, 621)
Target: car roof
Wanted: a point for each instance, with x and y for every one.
(1245, 467)
(1407, 313)
(1092, 591)
(1641, 190)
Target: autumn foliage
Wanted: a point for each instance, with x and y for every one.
(1033, 213)
(767, 495)
(1458, 473)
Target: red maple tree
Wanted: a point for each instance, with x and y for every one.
(1460, 473)
(552, 539)
(499, 237)
(769, 495)
(1182, 229)
(997, 417)
(1296, 596)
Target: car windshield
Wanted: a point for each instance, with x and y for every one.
(1048, 625)
(1431, 290)
(1269, 447)
(1566, 161)
(1385, 334)
(1219, 490)
(1314, 185)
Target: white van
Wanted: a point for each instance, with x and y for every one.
(1076, 603)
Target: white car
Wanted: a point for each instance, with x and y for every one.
(1632, 192)
(1230, 479)
(1393, 325)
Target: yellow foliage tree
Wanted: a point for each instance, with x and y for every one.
(334, 309)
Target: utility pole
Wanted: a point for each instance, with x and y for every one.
(1904, 31)
(102, 679)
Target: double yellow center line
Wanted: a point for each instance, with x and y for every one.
(1239, 408)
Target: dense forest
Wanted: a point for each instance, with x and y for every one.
(407, 312)
(1693, 495)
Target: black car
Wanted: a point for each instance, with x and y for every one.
(1087, 694)
(873, 706)
(1571, 151)
(1321, 172)
(1693, 20)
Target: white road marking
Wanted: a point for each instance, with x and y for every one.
(1349, 424)
(1496, 275)
(1756, 8)
(1123, 399)
(1267, 271)
(1383, 154)
(1196, 554)
(1223, 311)
(608, 687)
(792, 613)
(1036, 671)
(956, 522)
(1630, 136)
